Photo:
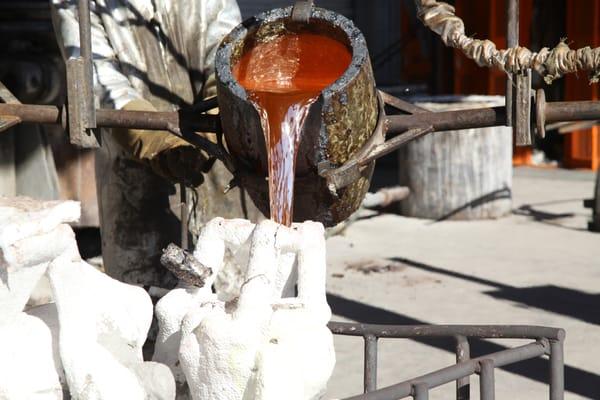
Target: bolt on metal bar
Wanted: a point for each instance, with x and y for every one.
(370, 363)
(486, 380)
(463, 353)
(421, 391)
(557, 370)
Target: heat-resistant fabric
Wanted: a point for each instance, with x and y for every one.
(161, 51)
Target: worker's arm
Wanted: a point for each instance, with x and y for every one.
(111, 86)
(221, 18)
(167, 155)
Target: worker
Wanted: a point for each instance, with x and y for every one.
(152, 55)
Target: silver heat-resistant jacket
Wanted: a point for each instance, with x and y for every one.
(161, 50)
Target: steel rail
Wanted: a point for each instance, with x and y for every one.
(468, 331)
(439, 121)
(106, 118)
(455, 372)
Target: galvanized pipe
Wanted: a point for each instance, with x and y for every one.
(421, 391)
(470, 331)
(453, 373)
(557, 370)
(463, 353)
(487, 385)
(370, 361)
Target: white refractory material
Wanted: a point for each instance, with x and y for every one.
(91, 338)
(263, 346)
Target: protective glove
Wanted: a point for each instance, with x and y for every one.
(168, 155)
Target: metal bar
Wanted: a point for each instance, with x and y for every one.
(421, 391)
(7, 122)
(522, 109)
(184, 217)
(470, 331)
(557, 370)
(370, 372)
(402, 105)
(106, 118)
(394, 144)
(7, 96)
(302, 11)
(512, 40)
(449, 120)
(486, 380)
(30, 113)
(85, 45)
(463, 353)
(454, 372)
(559, 111)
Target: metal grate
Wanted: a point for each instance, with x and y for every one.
(546, 341)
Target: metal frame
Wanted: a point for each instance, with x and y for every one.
(81, 118)
(546, 341)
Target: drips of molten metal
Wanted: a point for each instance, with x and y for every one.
(283, 77)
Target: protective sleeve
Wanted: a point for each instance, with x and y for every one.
(111, 86)
(221, 20)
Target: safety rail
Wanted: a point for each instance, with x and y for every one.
(547, 341)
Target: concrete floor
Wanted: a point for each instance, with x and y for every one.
(539, 266)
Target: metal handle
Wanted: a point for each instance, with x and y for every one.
(302, 10)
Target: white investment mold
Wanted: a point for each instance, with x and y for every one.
(264, 343)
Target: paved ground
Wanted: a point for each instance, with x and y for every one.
(539, 266)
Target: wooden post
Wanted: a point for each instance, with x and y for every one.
(459, 174)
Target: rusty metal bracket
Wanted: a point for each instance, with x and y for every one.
(376, 147)
(302, 11)
(512, 40)
(8, 121)
(6, 95)
(522, 107)
(80, 86)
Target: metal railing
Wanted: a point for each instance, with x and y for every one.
(546, 341)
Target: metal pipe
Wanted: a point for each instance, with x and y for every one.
(486, 380)
(449, 120)
(421, 391)
(463, 353)
(370, 372)
(48, 115)
(149, 120)
(452, 373)
(85, 46)
(470, 331)
(557, 370)
(512, 40)
(559, 111)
